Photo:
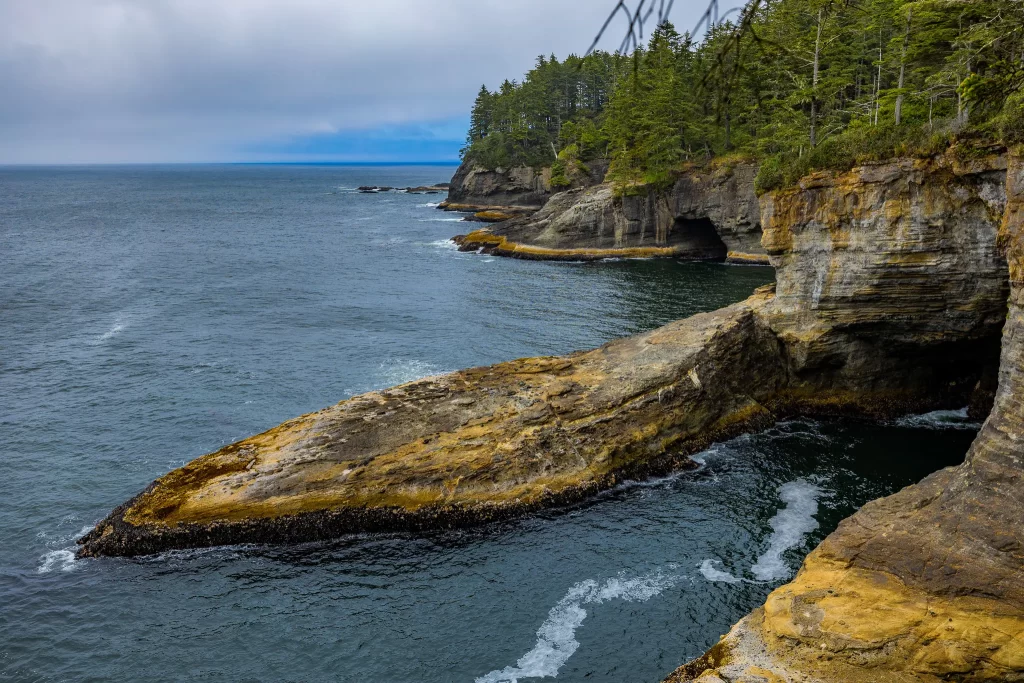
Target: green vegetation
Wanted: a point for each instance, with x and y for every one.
(558, 104)
(803, 85)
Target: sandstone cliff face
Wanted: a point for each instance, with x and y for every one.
(703, 216)
(927, 584)
(887, 265)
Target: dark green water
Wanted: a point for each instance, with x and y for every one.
(150, 315)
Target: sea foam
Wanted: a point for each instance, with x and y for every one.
(556, 637)
(789, 527)
(708, 570)
(939, 419)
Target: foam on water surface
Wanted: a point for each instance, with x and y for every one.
(789, 527)
(556, 637)
(709, 572)
(939, 419)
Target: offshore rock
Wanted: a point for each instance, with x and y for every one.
(469, 447)
(926, 584)
(710, 215)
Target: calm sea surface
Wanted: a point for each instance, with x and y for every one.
(149, 315)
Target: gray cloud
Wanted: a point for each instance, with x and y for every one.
(194, 80)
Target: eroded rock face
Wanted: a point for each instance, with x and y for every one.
(522, 187)
(468, 447)
(885, 264)
(704, 216)
(927, 584)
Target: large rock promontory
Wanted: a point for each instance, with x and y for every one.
(891, 296)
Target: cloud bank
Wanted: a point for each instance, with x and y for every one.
(235, 80)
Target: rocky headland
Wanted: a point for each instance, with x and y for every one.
(891, 296)
(707, 214)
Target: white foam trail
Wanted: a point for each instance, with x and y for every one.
(430, 205)
(440, 220)
(939, 419)
(556, 637)
(62, 559)
(115, 329)
(707, 568)
(445, 244)
(789, 527)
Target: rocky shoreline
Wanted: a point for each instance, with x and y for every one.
(707, 214)
(891, 297)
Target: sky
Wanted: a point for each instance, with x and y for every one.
(141, 81)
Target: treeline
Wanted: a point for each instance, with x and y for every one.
(557, 103)
(801, 84)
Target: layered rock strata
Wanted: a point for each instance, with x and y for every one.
(704, 216)
(468, 447)
(893, 309)
(516, 190)
(927, 584)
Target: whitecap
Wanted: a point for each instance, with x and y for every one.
(939, 419)
(62, 560)
(789, 526)
(445, 244)
(115, 329)
(440, 220)
(402, 370)
(430, 205)
(556, 637)
(707, 568)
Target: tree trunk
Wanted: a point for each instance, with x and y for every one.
(878, 84)
(814, 81)
(903, 68)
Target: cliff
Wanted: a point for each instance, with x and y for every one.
(710, 215)
(927, 584)
(513, 191)
(896, 306)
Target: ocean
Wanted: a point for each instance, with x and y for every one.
(151, 314)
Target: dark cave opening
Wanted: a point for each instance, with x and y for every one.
(698, 237)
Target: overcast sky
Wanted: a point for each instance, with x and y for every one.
(84, 81)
